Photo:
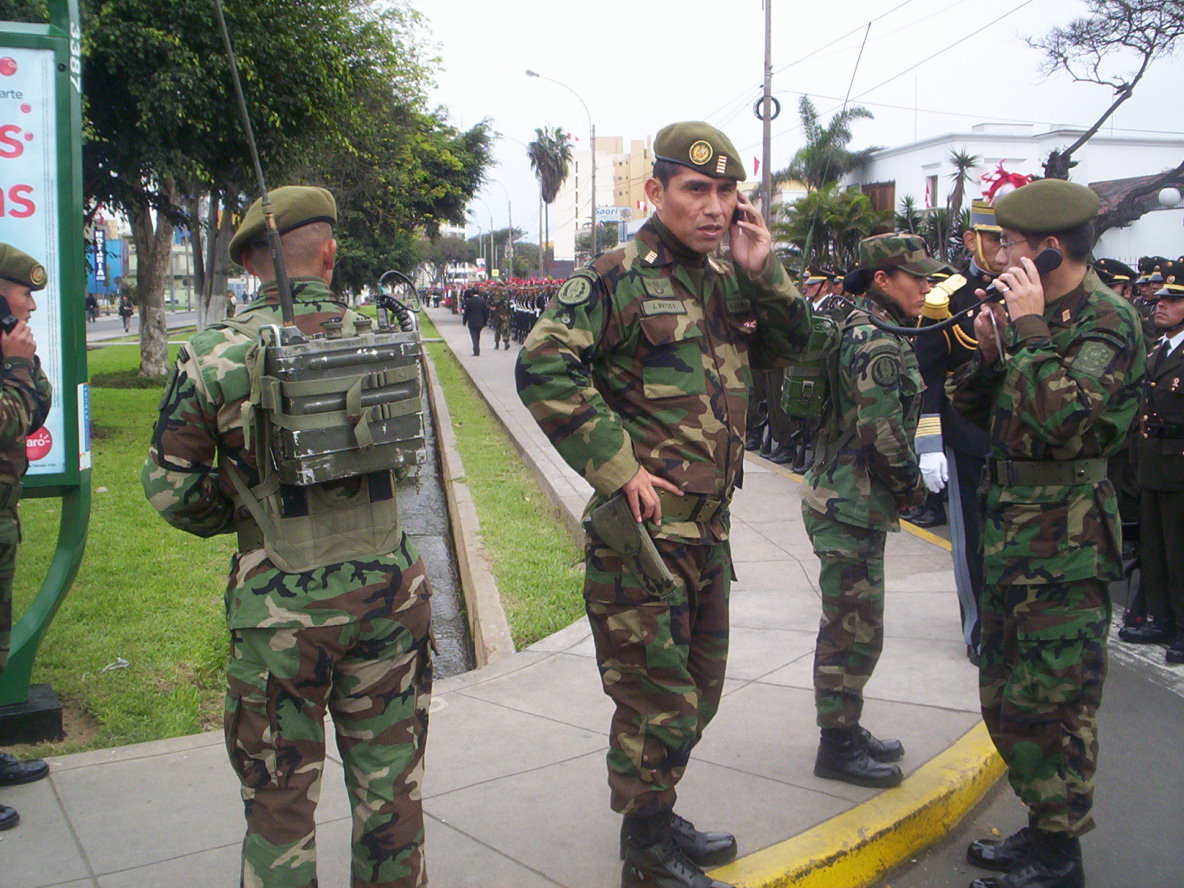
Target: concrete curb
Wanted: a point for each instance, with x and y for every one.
(859, 846)
(487, 619)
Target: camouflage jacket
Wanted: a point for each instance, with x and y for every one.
(24, 404)
(1068, 390)
(199, 429)
(643, 359)
(866, 470)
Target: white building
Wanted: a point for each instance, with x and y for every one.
(923, 170)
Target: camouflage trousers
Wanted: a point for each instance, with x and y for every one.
(374, 675)
(851, 631)
(1041, 668)
(661, 662)
(7, 571)
(501, 329)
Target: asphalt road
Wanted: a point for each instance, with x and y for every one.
(1139, 840)
(112, 327)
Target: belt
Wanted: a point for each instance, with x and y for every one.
(1046, 473)
(689, 507)
(1153, 429)
(250, 536)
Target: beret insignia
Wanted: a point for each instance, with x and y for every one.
(700, 152)
(574, 292)
(37, 276)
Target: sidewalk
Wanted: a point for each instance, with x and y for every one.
(515, 792)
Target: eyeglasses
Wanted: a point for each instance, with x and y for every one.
(1007, 245)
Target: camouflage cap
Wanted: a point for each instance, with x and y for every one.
(21, 268)
(1046, 206)
(294, 206)
(897, 250)
(700, 146)
(982, 216)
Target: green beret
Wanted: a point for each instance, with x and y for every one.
(1047, 206)
(897, 250)
(700, 146)
(294, 206)
(21, 268)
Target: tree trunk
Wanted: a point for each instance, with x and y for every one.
(219, 228)
(196, 248)
(153, 236)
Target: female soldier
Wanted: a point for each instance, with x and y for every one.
(865, 473)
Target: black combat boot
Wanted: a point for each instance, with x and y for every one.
(752, 440)
(842, 756)
(705, 849)
(882, 751)
(653, 858)
(1000, 855)
(1053, 860)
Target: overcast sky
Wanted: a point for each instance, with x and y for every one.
(643, 63)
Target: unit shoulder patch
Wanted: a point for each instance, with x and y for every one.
(575, 291)
(1094, 357)
(885, 370)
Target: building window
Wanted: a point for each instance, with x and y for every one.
(931, 196)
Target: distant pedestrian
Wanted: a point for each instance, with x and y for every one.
(476, 316)
(126, 310)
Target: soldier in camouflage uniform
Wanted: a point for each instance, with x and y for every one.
(864, 475)
(499, 316)
(639, 371)
(1057, 396)
(24, 404)
(352, 638)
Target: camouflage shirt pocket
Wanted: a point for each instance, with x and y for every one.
(672, 365)
(250, 725)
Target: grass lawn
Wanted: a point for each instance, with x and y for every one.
(152, 595)
(539, 568)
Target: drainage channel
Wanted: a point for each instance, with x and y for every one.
(423, 510)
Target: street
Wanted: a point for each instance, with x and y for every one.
(111, 327)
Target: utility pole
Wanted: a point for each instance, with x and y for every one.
(767, 118)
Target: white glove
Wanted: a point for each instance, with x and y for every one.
(935, 471)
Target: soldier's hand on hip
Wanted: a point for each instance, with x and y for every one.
(751, 241)
(19, 343)
(642, 496)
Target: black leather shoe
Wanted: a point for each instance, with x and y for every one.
(927, 518)
(1052, 862)
(782, 455)
(842, 756)
(1151, 631)
(705, 849)
(752, 441)
(14, 772)
(653, 858)
(882, 751)
(8, 817)
(1000, 855)
(1175, 654)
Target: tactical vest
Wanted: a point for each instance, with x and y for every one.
(804, 390)
(334, 423)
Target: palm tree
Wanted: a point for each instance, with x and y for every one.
(963, 163)
(909, 218)
(825, 157)
(827, 225)
(550, 158)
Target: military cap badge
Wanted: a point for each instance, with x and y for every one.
(700, 152)
(37, 275)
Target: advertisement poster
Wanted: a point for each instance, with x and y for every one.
(28, 217)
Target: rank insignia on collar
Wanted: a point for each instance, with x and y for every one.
(651, 256)
(1065, 316)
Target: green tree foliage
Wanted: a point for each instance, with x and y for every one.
(964, 162)
(610, 236)
(336, 91)
(825, 158)
(437, 254)
(827, 225)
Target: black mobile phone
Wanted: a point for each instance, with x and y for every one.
(7, 319)
(738, 215)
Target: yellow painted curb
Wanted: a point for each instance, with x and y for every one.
(856, 848)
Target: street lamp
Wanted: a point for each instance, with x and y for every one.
(592, 146)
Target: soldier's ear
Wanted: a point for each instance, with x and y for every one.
(328, 258)
(654, 192)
